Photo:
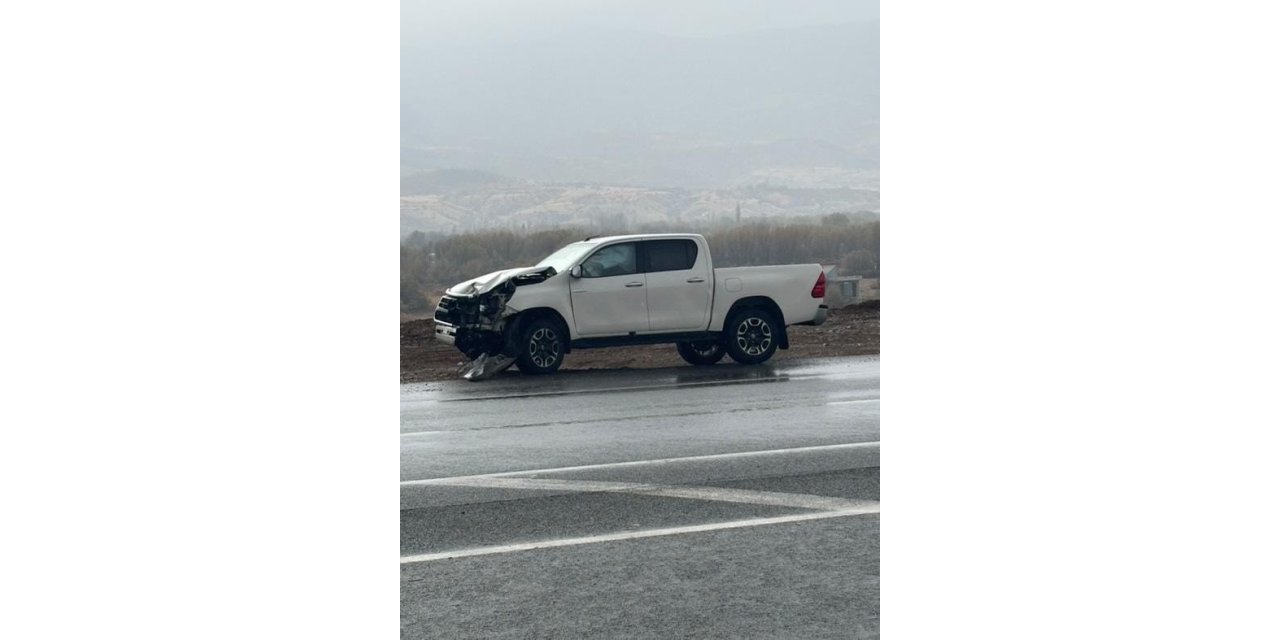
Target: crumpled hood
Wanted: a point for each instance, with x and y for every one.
(487, 282)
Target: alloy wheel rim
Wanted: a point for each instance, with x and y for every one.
(544, 347)
(754, 336)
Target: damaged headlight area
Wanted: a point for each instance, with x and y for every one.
(477, 324)
(477, 320)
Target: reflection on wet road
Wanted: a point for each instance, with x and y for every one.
(541, 506)
(460, 428)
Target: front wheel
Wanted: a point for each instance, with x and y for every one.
(752, 335)
(541, 347)
(701, 354)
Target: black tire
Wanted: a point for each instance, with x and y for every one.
(541, 347)
(751, 335)
(701, 354)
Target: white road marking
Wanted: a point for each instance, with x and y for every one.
(747, 496)
(710, 494)
(545, 484)
(865, 509)
(408, 434)
(644, 463)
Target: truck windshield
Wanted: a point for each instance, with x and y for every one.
(566, 256)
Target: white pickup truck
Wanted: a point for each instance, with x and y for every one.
(627, 290)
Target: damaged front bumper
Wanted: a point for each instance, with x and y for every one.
(474, 318)
(446, 333)
(473, 324)
(476, 326)
(479, 342)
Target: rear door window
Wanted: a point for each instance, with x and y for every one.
(670, 255)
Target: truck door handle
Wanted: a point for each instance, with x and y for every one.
(696, 280)
(635, 284)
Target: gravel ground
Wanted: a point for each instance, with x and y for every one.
(848, 332)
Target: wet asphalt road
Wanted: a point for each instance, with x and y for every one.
(691, 502)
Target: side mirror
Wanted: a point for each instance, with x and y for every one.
(576, 271)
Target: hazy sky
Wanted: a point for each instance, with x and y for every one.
(454, 21)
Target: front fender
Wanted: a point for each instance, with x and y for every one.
(552, 293)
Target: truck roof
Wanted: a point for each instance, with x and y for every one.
(644, 236)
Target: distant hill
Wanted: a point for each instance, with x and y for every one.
(530, 205)
(441, 181)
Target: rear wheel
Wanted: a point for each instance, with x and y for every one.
(752, 335)
(701, 353)
(541, 347)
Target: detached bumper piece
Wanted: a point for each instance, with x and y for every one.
(487, 366)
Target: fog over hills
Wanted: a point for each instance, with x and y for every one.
(640, 124)
(451, 201)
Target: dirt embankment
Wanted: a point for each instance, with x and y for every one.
(847, 332)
